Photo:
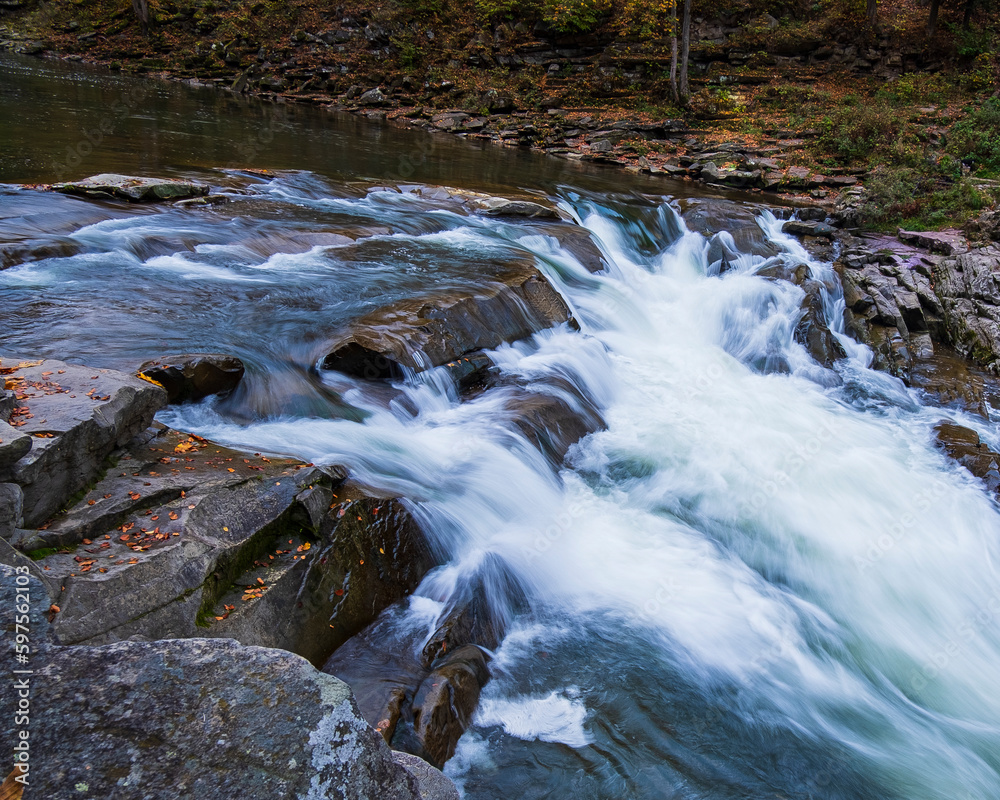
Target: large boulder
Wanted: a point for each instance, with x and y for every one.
(421, 333)
(812, 330)
(133, 189)
(194, 376)
(190, 718)
(11, 509)
(76, 417)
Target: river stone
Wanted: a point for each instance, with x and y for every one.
(500, 207)
(194, 718)
(800, 228)
(447, 699)
(965, 446)
(131, 188)
(8, 401)
(945, 243)
(194, 376)
(76, 416)
(422, 333)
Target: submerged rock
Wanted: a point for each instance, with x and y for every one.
(193, 377)
(197, 718)
(418, 334)
(133, 189)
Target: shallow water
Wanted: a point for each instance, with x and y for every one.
(754, 583)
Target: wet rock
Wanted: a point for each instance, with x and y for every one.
(194, 376)
(447, 699)
(553, 417)
(11, 509)
(133, 189)
(965, 446)
(418, 334)
(501, 207)
(382, 667)
(950, 380)
(801, 228)
(192, 718)
(812, 331)
(77, 416)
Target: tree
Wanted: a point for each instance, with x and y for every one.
(872, 11)
(673, 55)
(685, 90)
(141, 8)
(932, 17)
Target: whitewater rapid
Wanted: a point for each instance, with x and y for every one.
(749, 583)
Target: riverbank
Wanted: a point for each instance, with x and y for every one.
(811, 113)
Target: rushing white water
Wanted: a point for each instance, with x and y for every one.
(751, 583)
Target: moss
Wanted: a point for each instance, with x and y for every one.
(45, 552)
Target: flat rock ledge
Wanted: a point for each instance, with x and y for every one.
(133, 189)
(194, 718)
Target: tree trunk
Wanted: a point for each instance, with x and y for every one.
(141, 8)
(872, 11)
(968, 14)
(673, 56)
(685, 50)
(932, 17)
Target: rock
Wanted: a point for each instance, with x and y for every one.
(14, 445)
(449, 120)
(968, 286)
(76, 417)
(800, 228)
(964, 445)
(422, 333)
(11, 509)
(8, 401)
(133, 189)
(446, 700)
(431, 783)
(944, 242)
(373, 97)
(812, 331)
(709, 172)
(198, 717)
(797, 174)
(207, 542)
(985, 227)
(950, 380)
(194, 376)
(553, 417)
(500, 207)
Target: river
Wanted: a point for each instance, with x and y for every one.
(761, 579)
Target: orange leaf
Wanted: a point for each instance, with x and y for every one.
(10, 789)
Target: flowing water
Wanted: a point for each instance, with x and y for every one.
(759, 580)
